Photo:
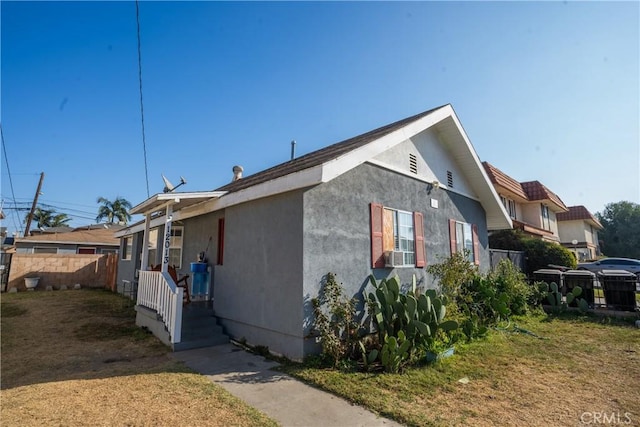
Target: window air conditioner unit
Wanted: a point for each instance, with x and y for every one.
(393, 258)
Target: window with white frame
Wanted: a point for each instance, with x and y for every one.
(464, 237)
(153, 247)
(400, 223)
(510, 206)
(546, 222)
(397, 238)
(175, 247)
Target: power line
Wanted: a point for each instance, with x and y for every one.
(144, 142)
(6, 159)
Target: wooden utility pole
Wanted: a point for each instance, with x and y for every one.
(33, 206)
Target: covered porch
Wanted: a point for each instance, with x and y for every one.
(177, 313)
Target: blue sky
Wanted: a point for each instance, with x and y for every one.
(545, 90)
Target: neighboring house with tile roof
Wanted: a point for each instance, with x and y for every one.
(98, 239)
(578, 230)
(389, 202)
(533, 208)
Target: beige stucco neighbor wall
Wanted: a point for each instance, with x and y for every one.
(59, 269)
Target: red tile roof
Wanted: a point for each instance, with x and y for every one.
(578, 213)
(536, 191)
(500, 178)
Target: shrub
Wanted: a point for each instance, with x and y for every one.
(453, 273)
(510, 280)
(335, 322)
(540, 254)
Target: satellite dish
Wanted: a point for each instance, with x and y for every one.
(169, 187)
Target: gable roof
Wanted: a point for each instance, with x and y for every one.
(579, 213)
(330, 162)
(529, 191)
(537, 191)
(503, 180)
(97, 236)
(321, 156)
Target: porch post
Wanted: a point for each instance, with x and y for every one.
(167, 237)
(145, 243)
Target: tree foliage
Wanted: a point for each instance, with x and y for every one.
(538, 253)
(114, 211)
(49, 218)
(621, 234)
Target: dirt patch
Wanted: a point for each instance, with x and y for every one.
(76, 358)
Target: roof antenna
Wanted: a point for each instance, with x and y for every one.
(293, 149)
(169, 187)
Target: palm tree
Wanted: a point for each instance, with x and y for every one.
(114, 210)
(49, 218)
(60, 220)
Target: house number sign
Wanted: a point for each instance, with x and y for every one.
(167, 244)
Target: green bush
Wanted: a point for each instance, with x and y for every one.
(335, 321)
(541, 254)
(510, 280)
(538, 253)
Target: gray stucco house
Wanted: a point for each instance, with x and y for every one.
(388, 202)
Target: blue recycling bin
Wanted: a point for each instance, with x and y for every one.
(200, 280)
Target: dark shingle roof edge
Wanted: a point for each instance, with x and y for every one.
(322, 155)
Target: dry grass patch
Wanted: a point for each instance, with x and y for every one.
(582, 366)
(76, 358)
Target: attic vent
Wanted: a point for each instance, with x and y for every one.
(450, 179)
(413, 164)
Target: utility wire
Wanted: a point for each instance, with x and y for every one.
(144, 142)
(13, 194)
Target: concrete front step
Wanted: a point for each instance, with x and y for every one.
(199, 328)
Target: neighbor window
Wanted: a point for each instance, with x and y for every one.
(546, 223)
(464, 237)
(510, 206)
(87, 251)
(44, 250)
(127, 247)
(398, 234)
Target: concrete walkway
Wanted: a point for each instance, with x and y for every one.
(284, 399)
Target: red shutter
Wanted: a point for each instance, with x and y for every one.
(220, 241)
(418, 230)
(476, 246)
(452, 236)
(377, 252)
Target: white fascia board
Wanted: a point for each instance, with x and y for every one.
(350, 160)
(154, 203)
(497, 216)
(302, 179)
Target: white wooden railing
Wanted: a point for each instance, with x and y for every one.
(157, 291)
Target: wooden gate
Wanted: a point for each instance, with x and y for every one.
(112, 272)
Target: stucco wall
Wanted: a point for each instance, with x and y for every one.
(258, 290)
(200, 235)
(337, 229)
(58, 269)
(127, 268)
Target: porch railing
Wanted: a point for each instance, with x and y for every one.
(157, 291)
